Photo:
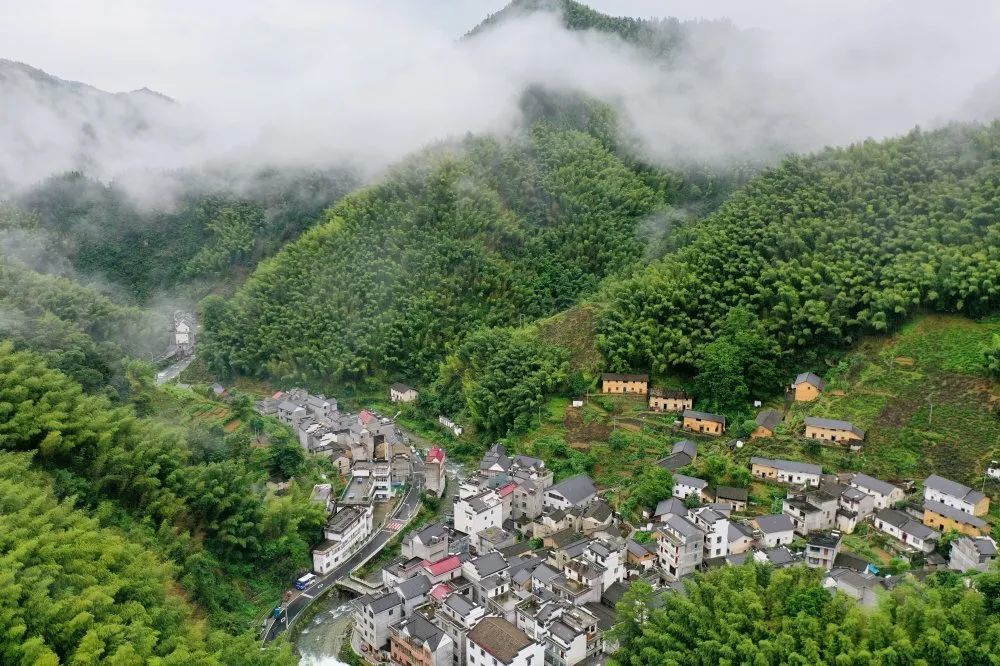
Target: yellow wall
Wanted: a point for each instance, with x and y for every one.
(707, 427)
(805, 392)
(670, 404)
(944, 524)
(624, 387)
(764, 471)
(982, 507)
(814, 432)
(761, 431)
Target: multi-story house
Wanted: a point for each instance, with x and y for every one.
(854, 507)
(428, 543)
(885, 494)
(345, 532)
(456, 616)
(972, 554)
(478, 512)
(704, 422)
(618, 383)
(434, 471)
(716, 529)
(822, 549)
(945, 518)
(417, 642)
(953, 494)
(374, 615)
(811, 511)
(574, 491)
(495, 641)
(680, 546)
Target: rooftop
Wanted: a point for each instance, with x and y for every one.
(953, 488)
(500, 638)
(769, 418)
(576, 489)
(810, 378)
(834, 424)
(866, 482)
(623, 377)
(704, 416)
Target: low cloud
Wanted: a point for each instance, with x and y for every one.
(304, 83)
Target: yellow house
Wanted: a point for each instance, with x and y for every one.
(704, 422)
(669, 400)
(613, 382)
(832, 430)
(942, 517)
(767, 421)
(807, 387)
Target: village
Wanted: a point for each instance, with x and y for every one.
(526, 570)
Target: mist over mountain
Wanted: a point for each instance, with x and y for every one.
(371, 82)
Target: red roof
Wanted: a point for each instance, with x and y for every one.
(277, 395)
(436, 454)
(441, 590)
(442, 566)
(507, 490)
(365, 416)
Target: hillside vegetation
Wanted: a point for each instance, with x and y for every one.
(823, 249)
(489, 233)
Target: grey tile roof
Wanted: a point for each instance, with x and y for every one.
(461, 605)
(576, 489)
(953, 488)
(866, 482)
(730, 493)
(671, 505)
(738, 531)
(675, 461)
(774, 523)
(850, 561)
(906, 524)
(686, 446)
(690, 481)
(779, 556)
(810, 378)
(623, 377)
(955, 514)
(414, 587)
(421, 630)
(401, 388)
(382, 602)
(683, 526)
(788, 465)
(769, 418)
(489, 564)
(834, 424)
(704, 416)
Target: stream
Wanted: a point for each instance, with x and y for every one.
(320, 642)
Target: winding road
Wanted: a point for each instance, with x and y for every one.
(301, 601)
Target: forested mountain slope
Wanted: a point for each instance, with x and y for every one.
(487, 233)
(215, 225)
(823, 248)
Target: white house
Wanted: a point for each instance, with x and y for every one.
(972, 553)
(478, 512)
(911, 532)
(716, 528)
(785, 471)
(402, 393)
(953, 494)
(495, 641)
(685, 486)
(574, 491)
(680, 546)
(775, 530)
(885, 494)
(346, 530)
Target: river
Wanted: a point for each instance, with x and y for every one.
(319, 643)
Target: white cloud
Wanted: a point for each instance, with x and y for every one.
(304, 81)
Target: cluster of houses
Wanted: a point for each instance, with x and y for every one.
(529, 574)
(806, 388)
(367, 450)
(530, 571)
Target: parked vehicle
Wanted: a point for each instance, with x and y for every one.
(304, 582)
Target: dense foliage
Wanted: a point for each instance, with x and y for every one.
(501, 377)
(210, 226)
(206, 507)
(823, 249)
(72, 591)
(489, 233)
(753, 614)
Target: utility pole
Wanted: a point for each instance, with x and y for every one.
(930, 416)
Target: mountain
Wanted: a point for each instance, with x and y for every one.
(51, 125)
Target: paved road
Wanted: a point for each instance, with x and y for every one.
(171, 372)
(301, 601)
